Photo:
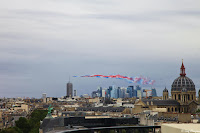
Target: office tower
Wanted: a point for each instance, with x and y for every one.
(139, 91)
(44, 97)
(154, 93)
(106, 92)
(135, 93)
(109, 91)
(75, 93)
(99, 91)
(69, 89)
(118, 92)
(94, 94)
(139, 94)
(130, 91)
(103, 93)
(122, 92)
(114, 92)
(126, 95)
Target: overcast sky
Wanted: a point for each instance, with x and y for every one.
(43, 42)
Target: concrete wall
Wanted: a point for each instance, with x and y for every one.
(184, 117)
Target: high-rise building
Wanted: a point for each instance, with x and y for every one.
(94, 94)
(118, 92)
(44, 95)
(103, 93)
(139, 91)
(130, 91)
(99, 90)
(75, 93)
(123, 92)
(154, 93)
(109, 91)
(135, 93)
(112, 92)
(69, 89)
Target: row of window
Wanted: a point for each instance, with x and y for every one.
(179, 85)
(178, 97)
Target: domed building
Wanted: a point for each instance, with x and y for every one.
(182, 100)
(182, 90)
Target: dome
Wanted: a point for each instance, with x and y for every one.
(165, 90)
(183, 82)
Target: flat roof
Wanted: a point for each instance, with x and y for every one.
(192, 127)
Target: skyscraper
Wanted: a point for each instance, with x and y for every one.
(44, 97)
(154, 93)
(109, 91)
(130, 91)
(75, 93)
(114, 92)
(99, 91)
(139, 91)
(103, 93)
(69, 89)
(94, 94)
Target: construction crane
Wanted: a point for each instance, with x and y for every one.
(146, 92)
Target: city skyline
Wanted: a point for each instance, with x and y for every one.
(44, 42)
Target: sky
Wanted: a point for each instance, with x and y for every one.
(43, 43)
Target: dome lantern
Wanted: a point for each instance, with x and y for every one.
(182, 71)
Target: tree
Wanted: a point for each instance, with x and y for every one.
(23, 124)
(28, 126)
(11, 130)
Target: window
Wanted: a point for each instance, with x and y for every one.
(179, 97)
